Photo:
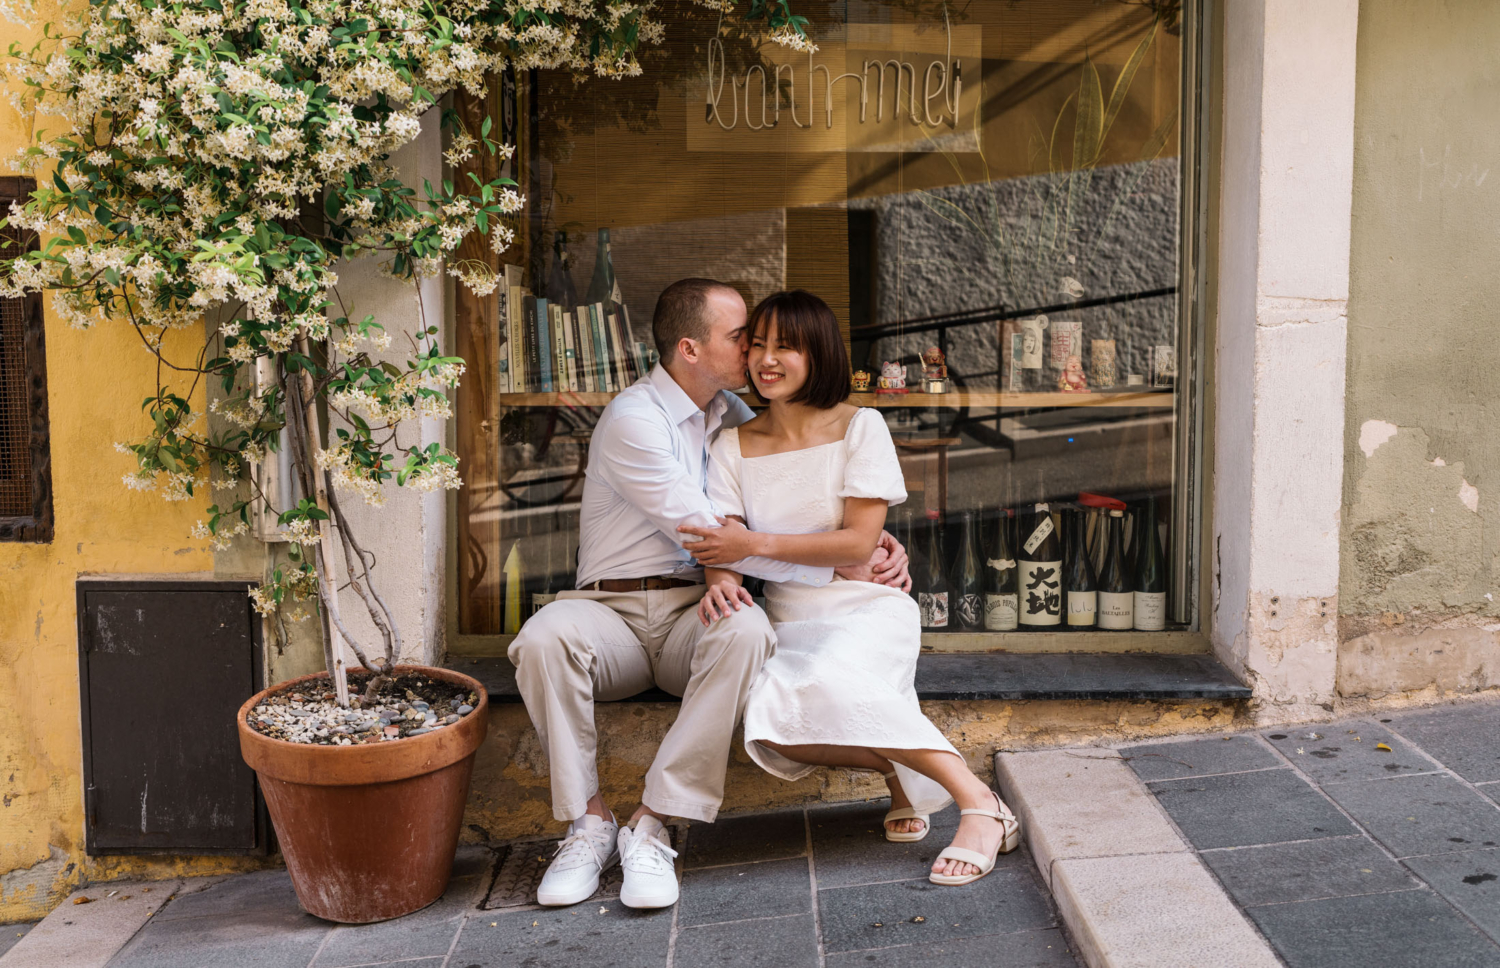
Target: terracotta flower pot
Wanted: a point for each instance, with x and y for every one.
(368, 832)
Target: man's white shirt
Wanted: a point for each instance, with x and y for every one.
(647, 474)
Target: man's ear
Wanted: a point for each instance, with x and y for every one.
(687, 348)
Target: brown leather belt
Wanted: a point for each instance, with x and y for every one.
(655, 584)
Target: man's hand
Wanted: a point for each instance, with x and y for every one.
(724, 545)
(721, 597)
(888, 565)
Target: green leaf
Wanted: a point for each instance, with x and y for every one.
(1127, 76)
(1088, 125)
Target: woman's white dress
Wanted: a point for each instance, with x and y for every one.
(846, 653)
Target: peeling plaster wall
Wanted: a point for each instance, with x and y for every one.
(95, 382)
(1421, 528)
(1279, 372)
(511, 797)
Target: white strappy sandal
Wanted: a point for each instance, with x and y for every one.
(905, 813)
(1008, 843)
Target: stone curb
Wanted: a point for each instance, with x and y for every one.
(1129, 888)
(89, 934)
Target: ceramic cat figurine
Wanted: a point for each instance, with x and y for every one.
(892, 378)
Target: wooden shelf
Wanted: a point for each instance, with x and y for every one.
(1160, 400)
(1018, 401)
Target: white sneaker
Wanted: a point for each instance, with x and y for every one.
(586, 852)
(650, 875)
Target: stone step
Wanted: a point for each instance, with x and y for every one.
(1128, 886)
(995, 676)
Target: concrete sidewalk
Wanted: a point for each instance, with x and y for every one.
(1372, 842)
(802, 888)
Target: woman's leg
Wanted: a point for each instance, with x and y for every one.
(851, 758)
(981, 834)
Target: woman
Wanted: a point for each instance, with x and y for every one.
(813, 476)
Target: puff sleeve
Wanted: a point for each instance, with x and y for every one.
(724, 474)
(872, 470)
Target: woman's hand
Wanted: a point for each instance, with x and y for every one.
(724, 545)
(723, 596)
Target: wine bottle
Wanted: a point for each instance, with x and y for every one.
(1000, 602)
(1116, 596)
(968, 580)
(1080, 591)
(604, 287)
(1041, 572)
(560, 289)
(932, 583)
(1150, 572)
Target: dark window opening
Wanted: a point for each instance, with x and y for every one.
(25, 456)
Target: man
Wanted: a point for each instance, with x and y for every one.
(632, 622)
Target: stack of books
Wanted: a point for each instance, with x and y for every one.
(546, 348)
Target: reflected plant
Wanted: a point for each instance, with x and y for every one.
(1032, 246)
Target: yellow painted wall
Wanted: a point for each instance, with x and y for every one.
(95, 383)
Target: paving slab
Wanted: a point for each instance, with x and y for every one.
(739, 840)
(225, 942)
(1332, 867)
(1199, 757)
(88, 934)
(918, 911)
(1461, 737)
(425, 933)
(1081, 803)
(775, 888)
(787, 942)
(593, 933)
(1409, 929)
(1152, 910)
(1041, 948)
(1469, 879)
(1239, 809)
(1349, 751)
(259, 893)
(1421, 814)
(11, 933)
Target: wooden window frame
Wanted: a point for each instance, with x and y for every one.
(37, 526)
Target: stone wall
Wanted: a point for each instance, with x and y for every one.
(511, 796)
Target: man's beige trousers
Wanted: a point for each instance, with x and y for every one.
(588, 646)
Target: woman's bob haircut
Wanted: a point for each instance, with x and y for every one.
(806, 324)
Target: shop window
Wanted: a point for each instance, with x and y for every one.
(1002, 185)
(25, 471)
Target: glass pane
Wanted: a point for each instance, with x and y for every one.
(995, 188)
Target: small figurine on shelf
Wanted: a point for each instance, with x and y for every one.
(1073, 379)
(934, 371)
(860, 381)
(892, 378)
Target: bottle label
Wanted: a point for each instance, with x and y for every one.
(1116, 610)
(1041, 592)
(1001, 564)
(1082, 607)
(1150, 611)
(969, 610)
(1000, 612)
(1040, 534)
(934, 609)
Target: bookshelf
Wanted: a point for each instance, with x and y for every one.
(1149, 400)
